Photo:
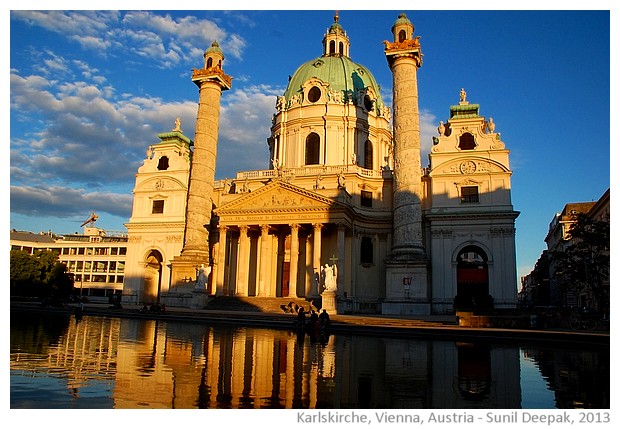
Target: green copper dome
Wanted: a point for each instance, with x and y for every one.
(215, 47)
(340, 72)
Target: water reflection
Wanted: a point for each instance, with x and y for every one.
(131, 363)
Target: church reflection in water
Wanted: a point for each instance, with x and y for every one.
(154, 364)
(187, 366)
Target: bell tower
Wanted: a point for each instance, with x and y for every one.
(407, 290)
(211, 81)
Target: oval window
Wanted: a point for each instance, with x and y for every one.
(314, 94)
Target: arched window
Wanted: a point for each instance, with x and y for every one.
(402, 35)
(368, 155)
(312, 149)
(163, 163)
(368, 103)
(209, 62)
(332, 47)
(341, 46)
(467, 142)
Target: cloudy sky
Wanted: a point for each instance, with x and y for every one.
(90, 91)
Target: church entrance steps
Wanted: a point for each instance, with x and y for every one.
(262, 304)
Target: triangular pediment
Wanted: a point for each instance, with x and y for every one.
(278, 197)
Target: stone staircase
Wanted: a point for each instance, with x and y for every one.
(260, 304)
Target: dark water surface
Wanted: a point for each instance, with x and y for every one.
(58, 362)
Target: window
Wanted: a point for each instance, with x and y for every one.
(158, 206)
(469, 194)
(341, 45)
(312, 149)
(314, 94)
(366, 199)
(163, 163)
(332, 47)
(467, 142)
(209, 63)
(122, 250)
(366, 250)
(402, 35)
(368, 155)
(368, 103)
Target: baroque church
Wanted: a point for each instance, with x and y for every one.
(346, 214)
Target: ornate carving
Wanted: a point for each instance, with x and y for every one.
(468, 167)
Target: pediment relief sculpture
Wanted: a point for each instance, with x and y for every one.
(278, 196)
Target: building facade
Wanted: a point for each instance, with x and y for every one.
(345, 212)
(95, 259)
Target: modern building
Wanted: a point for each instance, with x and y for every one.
(344, 198)
(95, 259)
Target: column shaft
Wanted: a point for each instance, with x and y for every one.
(292, 291)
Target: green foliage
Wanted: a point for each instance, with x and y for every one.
(584, 265)
(41, 275)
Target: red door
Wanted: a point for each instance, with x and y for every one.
(286, 271)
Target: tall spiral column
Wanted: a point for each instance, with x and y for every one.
(407, 265)
(211, 81)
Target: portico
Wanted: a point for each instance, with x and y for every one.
(273, 242)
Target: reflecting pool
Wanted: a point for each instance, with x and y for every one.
(57, 361)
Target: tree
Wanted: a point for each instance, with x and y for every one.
(583, 265)
(41, 274)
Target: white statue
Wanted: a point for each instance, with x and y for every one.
(203, 277)
(177, 125)
(463, 95)
(441, 128)
(491, 125)
(330, 277)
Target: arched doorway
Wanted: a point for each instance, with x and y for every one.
(152, 277)
(472, 279)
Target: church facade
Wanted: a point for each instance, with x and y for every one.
(346, 212)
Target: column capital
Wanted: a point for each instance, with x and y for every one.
(243, 229)
(294, 226)
(264, 229)
(223, 229)
(317, 226)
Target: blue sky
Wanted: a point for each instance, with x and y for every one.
(90, 91)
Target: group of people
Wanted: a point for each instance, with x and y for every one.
(153, 308)
(316, 322)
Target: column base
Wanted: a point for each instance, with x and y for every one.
(184, 268)
(329, 302)
(407, 287)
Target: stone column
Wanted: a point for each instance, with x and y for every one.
(404, 58)
(316, 259)
(221, 261)
(292, 289)
(242, 263)
(407, 265)
(262, 266)
(341, 256)
(211, 81)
